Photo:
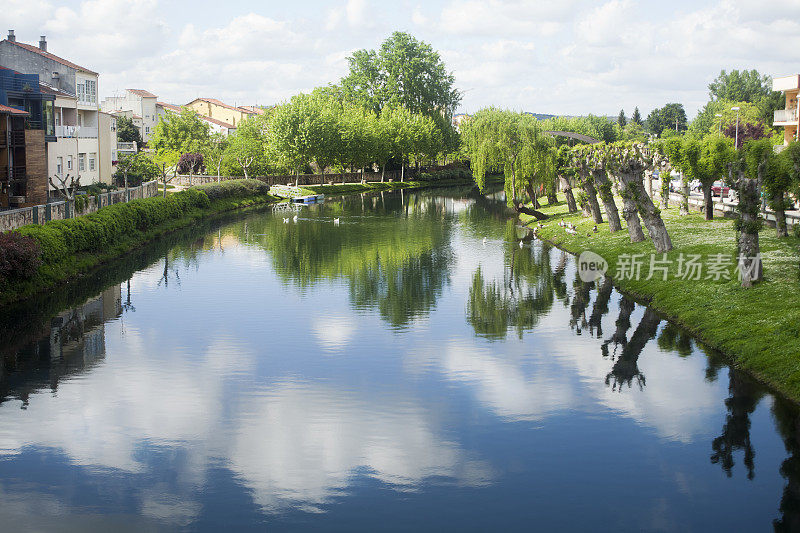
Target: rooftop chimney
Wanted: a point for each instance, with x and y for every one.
(11, 36)
(43, 44)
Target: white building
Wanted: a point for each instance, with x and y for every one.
(140, 104)
(77, 147)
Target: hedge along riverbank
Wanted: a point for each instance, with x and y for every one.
(758, 329)
(70, 248)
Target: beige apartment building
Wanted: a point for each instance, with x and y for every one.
(787, 117)
(220, 111)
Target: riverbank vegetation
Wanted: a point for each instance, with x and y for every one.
(757, 328)
(51, 253)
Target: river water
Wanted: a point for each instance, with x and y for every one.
(407, 368)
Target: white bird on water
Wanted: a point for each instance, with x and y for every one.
(521, 244)
(336, 221)
(294, 219)
(285, 220)
(484, 240)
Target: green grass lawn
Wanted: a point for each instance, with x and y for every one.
(758, 328)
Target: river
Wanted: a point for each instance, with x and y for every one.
(410, 367)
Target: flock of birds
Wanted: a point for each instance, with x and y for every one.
(294, 219)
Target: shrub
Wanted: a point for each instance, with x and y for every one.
(98, 231)
(19, 256)
(233, 189)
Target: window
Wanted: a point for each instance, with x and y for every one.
(91, 91)
(92, 158)
(81, 162)
(59, 165)
(80, 119)
(81, 92)
(69, 162)
(147, 129)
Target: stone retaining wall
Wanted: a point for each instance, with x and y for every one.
(39, 214)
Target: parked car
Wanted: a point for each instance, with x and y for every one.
(719, 189)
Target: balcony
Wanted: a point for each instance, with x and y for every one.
(126, 147)
(785, 117)
(17, 138)
(786, 83)
(82, 132)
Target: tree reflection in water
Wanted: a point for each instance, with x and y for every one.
(744, 396)
(626, 368)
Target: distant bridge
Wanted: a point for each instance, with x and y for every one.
(576, 136)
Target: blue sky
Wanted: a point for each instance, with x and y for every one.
(567, 57)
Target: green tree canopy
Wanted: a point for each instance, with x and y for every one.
(127, 131)
(670, 117)
(182, 132)
(404, 71)
(740, 86)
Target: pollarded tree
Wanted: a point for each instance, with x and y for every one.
(792, 155)
(566, 173)
(596, 156)
(508, 141)
(778, 179)
(583, 169)
(673, 149)
(629, 161)
(716, 153)
(745, 173)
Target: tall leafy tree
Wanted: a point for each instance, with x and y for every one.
(740, 86)
(671, 116)
(182, 132)
(127, 132)
(636, 117)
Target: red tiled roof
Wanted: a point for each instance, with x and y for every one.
(222, 104)
(252, 109)
(142, 92)
(217, 122)
(48, 55)
(171, 107)
(12, 111)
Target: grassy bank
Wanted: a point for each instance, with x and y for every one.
(758, 328)
(72, 248)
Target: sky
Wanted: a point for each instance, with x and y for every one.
(571, 57)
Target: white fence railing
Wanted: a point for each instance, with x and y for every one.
(785, 115)
(76, 131)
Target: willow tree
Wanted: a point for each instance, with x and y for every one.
(596, 157)
(630, 160)
(501, 140)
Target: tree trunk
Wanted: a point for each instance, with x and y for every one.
(383, 172)
(633, 187)
(684, 210)
(664, 178)
(708, 200)
(631, 216)
(780, 216)
(571, 205)
(750, 267)
(594, 206)
(402, 170)
(603, 185)
(649, 177)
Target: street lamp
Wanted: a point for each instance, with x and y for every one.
(736, 142)
(720, 121)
